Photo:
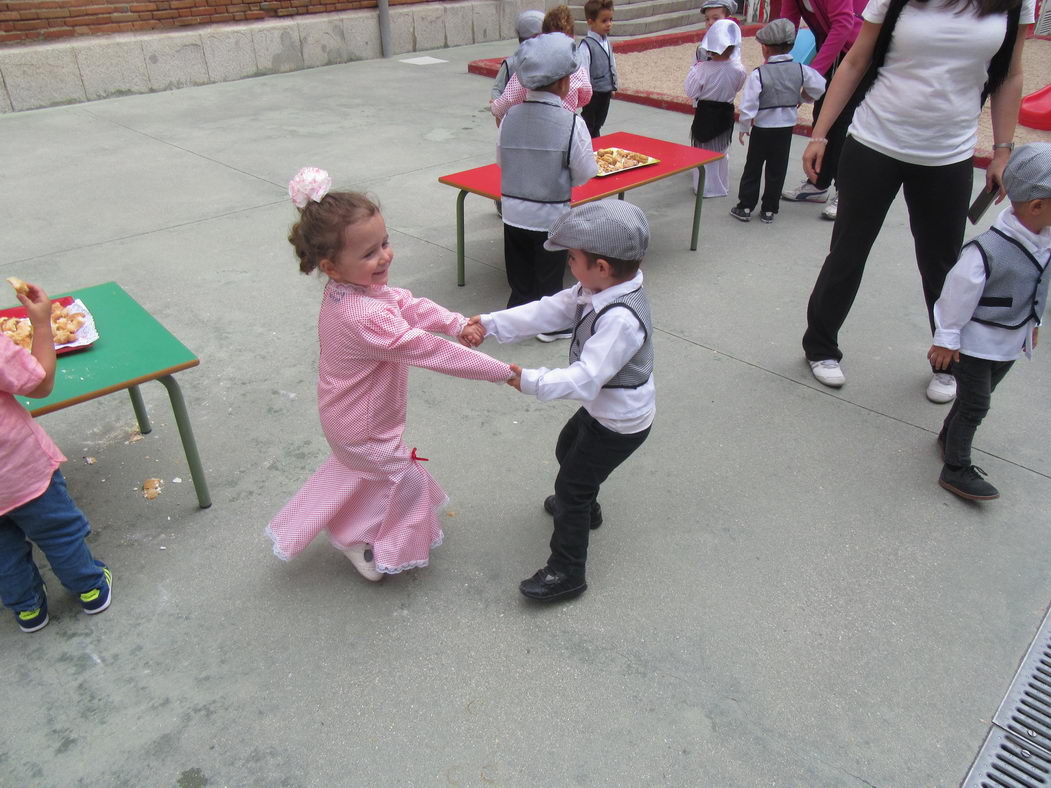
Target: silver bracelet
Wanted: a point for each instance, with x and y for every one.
(1008, 145)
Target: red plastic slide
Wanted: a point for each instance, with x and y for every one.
(1036, 110)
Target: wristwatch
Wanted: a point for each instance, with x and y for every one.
(1008, 145)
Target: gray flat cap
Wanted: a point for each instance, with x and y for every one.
(546, 59)
(1028, 173)
(780, 31)
(608, 228)
(729, 5)
(529, 24)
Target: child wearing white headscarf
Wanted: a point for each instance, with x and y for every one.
(713, 84)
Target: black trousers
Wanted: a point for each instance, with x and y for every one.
(769, 149)
(595, 111)
(869, 181)
(587, 454)
(837, 135)
(532, 271)
(976, 379)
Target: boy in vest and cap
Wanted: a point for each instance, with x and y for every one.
(596, 54)
(544, 151)
(610, 373)
(989, 311)
(528, 25)
(768, 112)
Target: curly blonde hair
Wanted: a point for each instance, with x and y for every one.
(558, 20)
(318, 235)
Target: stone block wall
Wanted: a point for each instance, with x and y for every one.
(76, 69)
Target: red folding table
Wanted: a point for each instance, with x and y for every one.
(674, 158)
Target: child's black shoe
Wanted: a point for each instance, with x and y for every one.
(741, 214)
(967, 482)
(33, 620)
(97, 599)
(767, 217)
(596, 511)
(550, 585)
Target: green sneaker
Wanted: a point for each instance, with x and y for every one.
(97, 599)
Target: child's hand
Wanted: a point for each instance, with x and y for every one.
(473, 333)
(941, 357)
(38, 307)
(742, 135)
(515, 381)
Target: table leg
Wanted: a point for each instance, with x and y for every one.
(189, 445)
(697, 208)
(140, 410)
(620, 196)
(460, 278)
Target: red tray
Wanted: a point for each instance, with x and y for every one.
(20, 311)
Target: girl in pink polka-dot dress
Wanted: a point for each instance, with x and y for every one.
(373, 495)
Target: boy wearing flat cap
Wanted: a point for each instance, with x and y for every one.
(610, 373)
(528, 25)
(544, 151)
(990, 310)
(769, 109)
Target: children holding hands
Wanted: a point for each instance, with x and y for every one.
(610, 373)
(34, 504)
(373, 495)
(989, 311)
(768, 112)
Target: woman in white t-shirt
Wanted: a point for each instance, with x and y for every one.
(915, 129)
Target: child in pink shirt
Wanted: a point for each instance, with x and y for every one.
(372, 495)
(34, 504)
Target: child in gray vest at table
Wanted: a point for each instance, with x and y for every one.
(35, 507)
(596, 53)
(610, 373)
(768, 111)
(544, 151)
(990, 310)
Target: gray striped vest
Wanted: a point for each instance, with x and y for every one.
(781, 84)
(1015, 284)
(535, 141)
(603, 71)
(640, 366)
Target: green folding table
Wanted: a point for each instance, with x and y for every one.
(132, 348)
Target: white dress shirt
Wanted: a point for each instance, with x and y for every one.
(964, 285)
(618, 336)
(776, 117)
(582, 168)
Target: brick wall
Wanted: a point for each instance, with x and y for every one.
(26, 21)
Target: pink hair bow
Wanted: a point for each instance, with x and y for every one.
(310, 183)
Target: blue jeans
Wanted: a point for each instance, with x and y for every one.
(55, 524)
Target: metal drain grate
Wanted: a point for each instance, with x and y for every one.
(1026, 709)
(1005, 761)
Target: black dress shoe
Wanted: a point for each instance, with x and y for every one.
(596, 511)
(967, 482)
(550, 585)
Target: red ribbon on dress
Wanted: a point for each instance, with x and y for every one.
(419, 459)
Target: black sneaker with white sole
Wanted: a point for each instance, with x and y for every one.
(741, 214)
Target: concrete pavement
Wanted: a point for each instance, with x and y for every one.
(781, 594)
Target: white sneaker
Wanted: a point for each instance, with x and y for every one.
(554, 336)
(830, 209)
(827, 371)
(361, 556)
(942, 388)
(805, 192)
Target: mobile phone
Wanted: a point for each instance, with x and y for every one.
(981, 204)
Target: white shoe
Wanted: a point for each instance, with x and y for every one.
(361, 556)
(805, 192)
(827, 371)
(830, 209)
(554, 336)
(942, 388)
